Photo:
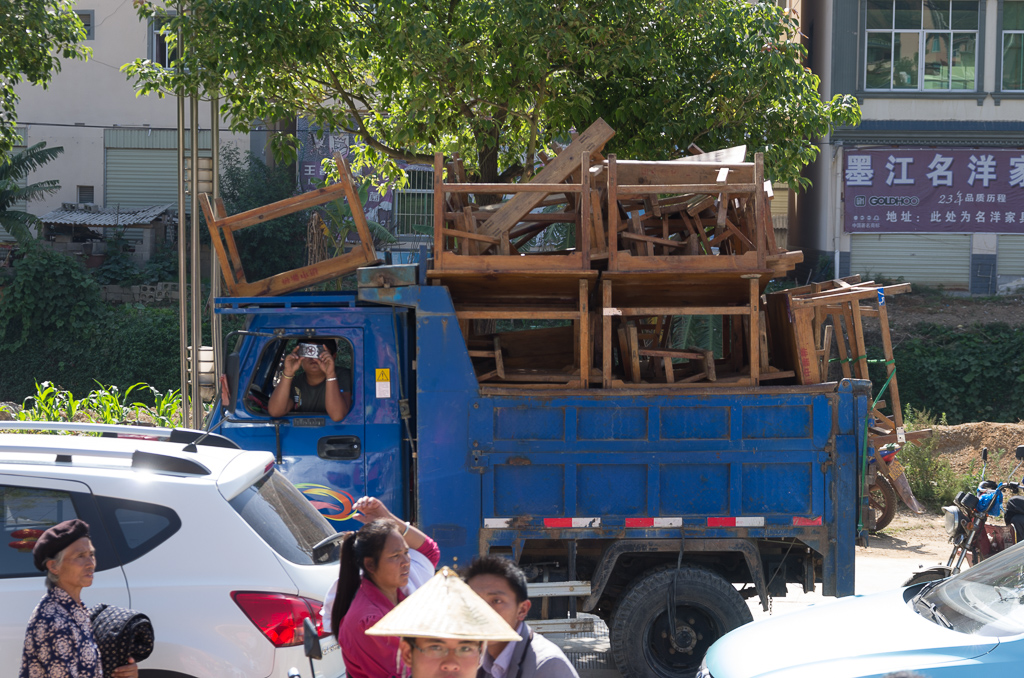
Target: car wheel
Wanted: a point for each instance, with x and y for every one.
(883, 502)
(706, 608)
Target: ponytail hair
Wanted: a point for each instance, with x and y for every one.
(356, 547)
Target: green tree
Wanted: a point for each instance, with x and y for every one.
(13, 171)
(34, 35)
(498, 80)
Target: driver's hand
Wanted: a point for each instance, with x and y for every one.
(291, 363)
(326, 361)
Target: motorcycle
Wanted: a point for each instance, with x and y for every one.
(974, 538)
(889, 480)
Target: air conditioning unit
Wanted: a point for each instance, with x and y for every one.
(91, 207)
(69, 205)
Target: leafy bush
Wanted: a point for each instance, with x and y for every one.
(118, 267)
(970, 373)
(51, 294)
(932, 479)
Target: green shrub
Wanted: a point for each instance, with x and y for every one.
(971, 373)
(932, 479)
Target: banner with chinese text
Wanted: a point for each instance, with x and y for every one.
(901, 190)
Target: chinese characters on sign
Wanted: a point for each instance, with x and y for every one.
(933, 191)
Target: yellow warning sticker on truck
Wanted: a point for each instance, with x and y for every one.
(383, 377)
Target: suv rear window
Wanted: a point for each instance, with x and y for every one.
(284, 519)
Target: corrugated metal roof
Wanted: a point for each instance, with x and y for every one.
(106, 217)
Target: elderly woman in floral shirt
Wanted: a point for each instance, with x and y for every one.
(59, 641)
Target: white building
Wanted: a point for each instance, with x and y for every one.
(930, 186)
(119, 149)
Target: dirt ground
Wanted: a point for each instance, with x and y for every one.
(923, 538)
(907, 310)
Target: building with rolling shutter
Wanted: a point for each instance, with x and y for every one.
(120, 151)
(930, 186)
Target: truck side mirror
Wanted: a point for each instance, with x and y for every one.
(231, 369)
(1020, 453)
(984, 454)
(310, 639)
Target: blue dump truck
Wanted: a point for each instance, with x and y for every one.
(659, 511)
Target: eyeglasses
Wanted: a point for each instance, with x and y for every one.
(441, 651)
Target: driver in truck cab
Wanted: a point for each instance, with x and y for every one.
(316, 389)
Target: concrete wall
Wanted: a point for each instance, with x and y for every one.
(87, 97)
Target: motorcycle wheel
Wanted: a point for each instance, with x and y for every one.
(882, 499)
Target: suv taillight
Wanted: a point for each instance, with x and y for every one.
(279, 615)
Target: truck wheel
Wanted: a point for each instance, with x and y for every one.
(707, 607)
(883, 502)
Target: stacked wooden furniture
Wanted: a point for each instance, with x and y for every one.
(692, 237)
(655, 241)
(806, 322)
(223, 227)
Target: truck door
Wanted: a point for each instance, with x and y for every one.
(323, 458)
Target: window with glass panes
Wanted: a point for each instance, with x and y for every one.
(921, 45)
(1013, 45)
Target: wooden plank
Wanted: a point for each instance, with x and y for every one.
(469, 235)
(356, 208)
(265, 213)
(597, 220)
(606, 335)
(613, 214)
(583, 225)
(675, 244)
(860, 352)
(512, 189)
(890, 367)
(218, 245)
(296, 279)
(644, 311)
(754, 338)
(807, 354)
(584, 323)
(760, 208)
(592, 139)
(438, 204)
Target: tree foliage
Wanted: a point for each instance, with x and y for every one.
(500, 80)
(246, 182)
(34, 35)
(15, 170)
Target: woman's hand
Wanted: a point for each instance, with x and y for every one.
(291, 363)
(369, 509)
(129, 670)
(326, 361)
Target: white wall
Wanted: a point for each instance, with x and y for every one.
(86, 97)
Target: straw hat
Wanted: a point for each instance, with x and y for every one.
(445, 607)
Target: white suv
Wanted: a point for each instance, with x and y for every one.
(210, 541)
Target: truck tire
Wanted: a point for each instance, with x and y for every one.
(883, 502)
(707, 607)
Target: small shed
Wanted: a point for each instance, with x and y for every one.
(76, 228)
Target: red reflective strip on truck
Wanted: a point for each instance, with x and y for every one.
(802, 522)
(654, 522)
(572, 522)
(742, 521)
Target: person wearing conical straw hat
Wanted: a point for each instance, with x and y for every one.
(444, 627)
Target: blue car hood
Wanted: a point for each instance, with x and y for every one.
(855, 636)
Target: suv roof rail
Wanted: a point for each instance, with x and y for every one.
(173, 435)
(150, 461)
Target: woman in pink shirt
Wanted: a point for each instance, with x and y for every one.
(381, 550)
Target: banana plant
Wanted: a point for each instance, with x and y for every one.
(338, 223)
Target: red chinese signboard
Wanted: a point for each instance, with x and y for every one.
(928, 190)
